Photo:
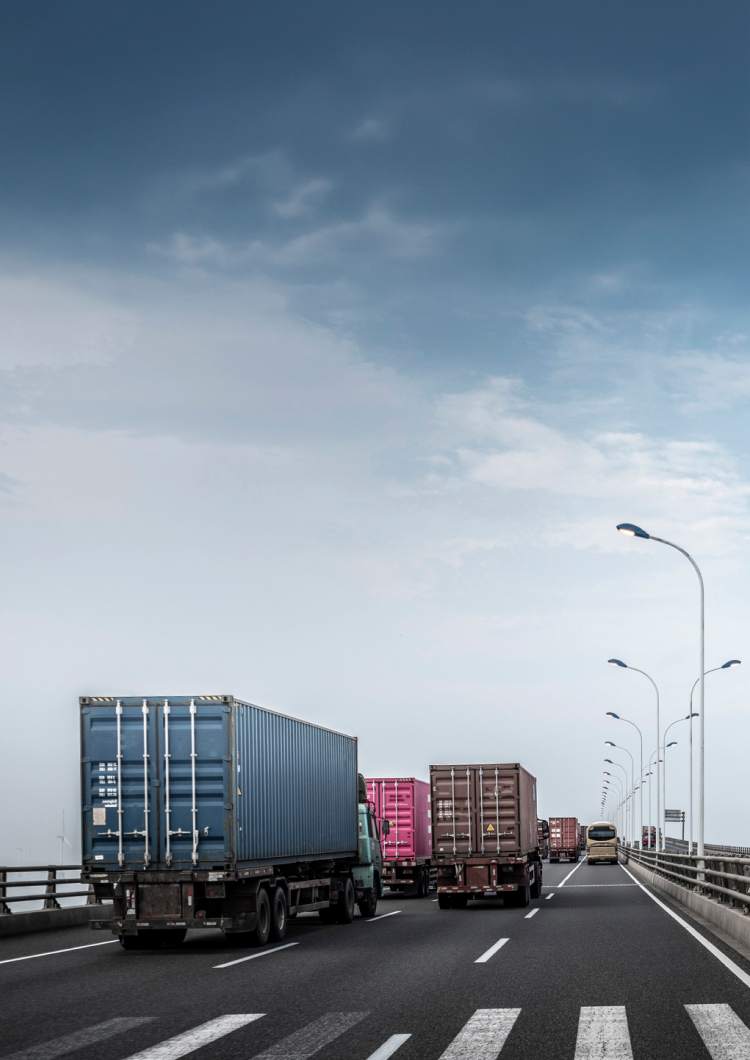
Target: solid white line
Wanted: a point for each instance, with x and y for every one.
(548, 896)
(312, 1038)
(79, 1039)
(254, 956)
(196, 1037)
(570, 874)
(483, 1037)
(603, 1032)
(372, 919)
(388, 1048)
(580, 886)
(52, 953)
(532, 913)
(491, 953)
(724, 1034)
(714, 950)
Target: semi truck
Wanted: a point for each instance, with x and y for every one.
(564, 839)
(484, 833)
(210, 812)
(402, 811)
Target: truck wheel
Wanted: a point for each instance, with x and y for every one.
(262, 917)
(445, 901)
(460, 901)
(523, 896)
(346, 903)
(131, 942)
(278, 914)
(369, 904)
(536, 887)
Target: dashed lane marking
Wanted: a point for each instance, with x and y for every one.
(80, 1039)
(372, 919)
(255, 956)
(532, 913)
(53, 953)
(603, 1033)
(723, 1033)
(491, 952)
(484, 1035)
(196, 1037)
(315, 1036)
(548, 896)
(563, 882)
(389, 1047)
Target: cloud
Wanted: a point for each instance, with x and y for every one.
(372, 129)
(713, 381)
(302, 198)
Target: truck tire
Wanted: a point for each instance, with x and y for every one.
(278, 914)
(460, 901)
(523, 896)
(262, 931)
(345, 908)
(368, 906)
(445, 901)
(131, 942)
(536, 887)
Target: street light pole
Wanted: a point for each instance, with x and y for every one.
(610, 743)
(619, 717)
(672, 743)
(724, 666)
(636, 531)
(625, 666)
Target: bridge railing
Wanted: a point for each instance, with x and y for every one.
(49, 886)
(723, 876)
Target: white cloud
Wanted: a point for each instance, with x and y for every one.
(302, 198)
(713, 381)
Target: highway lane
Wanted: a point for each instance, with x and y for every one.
(597, 945)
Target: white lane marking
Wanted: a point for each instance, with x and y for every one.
(53, 953)
(603, 1032)
(580, 886)
(79, 1039)
(548, 896)
(563, 882)
(372, 919)
(483, 1036)
(434, 899)
(389, 1047)
(714, 950)
(312, 1038)
(196, 1037)
(254, 956)
(532, 913)
(491, 953)
(724, 1034)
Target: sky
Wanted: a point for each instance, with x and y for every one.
(335, 343)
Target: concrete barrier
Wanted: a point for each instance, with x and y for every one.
(732, 924)
(51, 919)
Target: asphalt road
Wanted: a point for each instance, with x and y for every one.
(599, 970)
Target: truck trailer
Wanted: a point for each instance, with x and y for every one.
(402, 810)
(564, 839)
(484, 833)
(210, 812)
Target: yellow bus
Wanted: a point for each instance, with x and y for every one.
(601, 842)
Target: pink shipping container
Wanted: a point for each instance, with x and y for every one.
(563, 838)
(405, 803)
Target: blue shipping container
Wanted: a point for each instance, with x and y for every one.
(211, 782)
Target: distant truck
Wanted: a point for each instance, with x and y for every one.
(209, 812)
(564, 839)
(542, 832)
(648, 837)
(402, 810)
(484, 833)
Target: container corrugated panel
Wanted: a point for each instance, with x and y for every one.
(563, 833)
(481, 810)
(211, 781)
(405, 803)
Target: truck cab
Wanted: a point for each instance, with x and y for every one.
(368, 873)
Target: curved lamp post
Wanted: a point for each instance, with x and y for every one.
(625, 666)
(665, 745)
(724, 666)
(619, 717)
(631, 530)
(619, 765)
(611, 743)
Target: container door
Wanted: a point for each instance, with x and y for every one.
(454, 798)
(398, 808)
(197, 783)
(119, 783)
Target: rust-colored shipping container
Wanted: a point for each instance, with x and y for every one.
(563, 838)
(484, 832)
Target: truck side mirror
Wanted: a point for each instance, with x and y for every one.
(385, 826)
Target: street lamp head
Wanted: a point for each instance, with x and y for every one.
(609, 760)
(693, 715)
(611, 714)
(631, 530)
(618, 662)
(672, 743)
(610, 744)
(730, 662)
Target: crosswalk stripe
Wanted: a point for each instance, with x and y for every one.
(483, 1036)
(196, 1037)
(603, 1032)
(312, 1038)
(79, 1039)
(389, 1047)
(724, 1034)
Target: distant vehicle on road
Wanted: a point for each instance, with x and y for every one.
(404, 803)
(648, 837)
(207, 811)
(601, 843)
(563, 839)
(582, 831)
(484, 833)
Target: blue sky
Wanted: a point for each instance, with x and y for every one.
(336, 341)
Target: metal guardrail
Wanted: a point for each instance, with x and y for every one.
(52, 883)
(723, 876)
(680, 846)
